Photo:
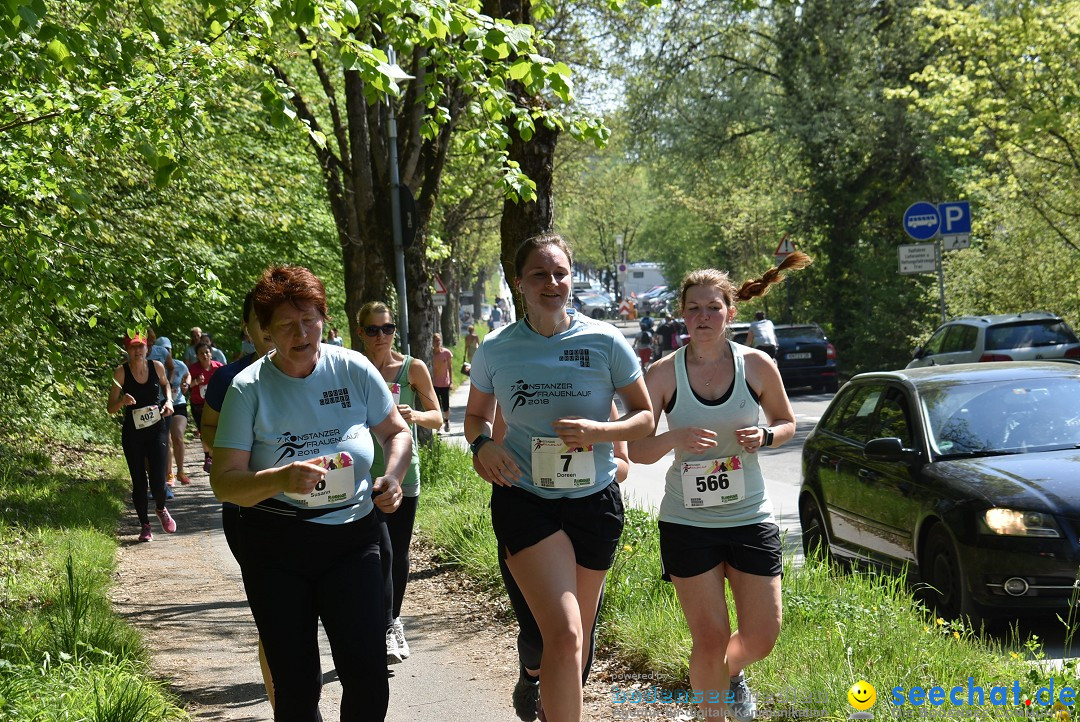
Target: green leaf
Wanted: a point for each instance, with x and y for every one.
(92, 322)
(351, 14)
(57, 50)
(520, 69)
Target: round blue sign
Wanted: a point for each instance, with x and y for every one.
(921, 221)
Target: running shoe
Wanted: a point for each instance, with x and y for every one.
(170, 480)
(743, 708)
(399, 634)
(166, 519)
(526, 697)
(146, 534)
(207, 462)
(393, 653)
(184, 479)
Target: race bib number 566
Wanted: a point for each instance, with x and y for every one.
(713, 482)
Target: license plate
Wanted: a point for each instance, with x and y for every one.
(796, 356)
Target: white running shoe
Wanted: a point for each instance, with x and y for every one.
(393, 652)
(399, 634)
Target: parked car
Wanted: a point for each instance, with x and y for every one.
(1005, 337)
(595, 305)
(804, 357)
(965, 475)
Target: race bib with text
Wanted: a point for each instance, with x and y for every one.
(337, 487)
(146, 417)
(557, 466)
(713, 482)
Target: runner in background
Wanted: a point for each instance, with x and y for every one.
(180, 380)
(201, 373)
(413, 393)
(136, 385)
(214, 398)
(442, 362)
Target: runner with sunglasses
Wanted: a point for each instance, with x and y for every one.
(410, 385)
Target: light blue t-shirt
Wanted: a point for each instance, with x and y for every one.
(180, 370)
(537, 380)
(281, 419)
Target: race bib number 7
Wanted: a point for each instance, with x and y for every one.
(557, 466)
(713, 482)
(337, 487)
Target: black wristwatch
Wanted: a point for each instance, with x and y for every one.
(767, 441)
(478, 442)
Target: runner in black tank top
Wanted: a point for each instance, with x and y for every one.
(144, 433)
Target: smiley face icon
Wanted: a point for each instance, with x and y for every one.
(862, 695)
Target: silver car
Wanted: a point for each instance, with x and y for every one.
(1027, 336)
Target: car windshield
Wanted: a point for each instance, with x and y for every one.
(1003, 417)
(802, 334)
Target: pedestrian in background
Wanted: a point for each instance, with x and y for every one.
(137, 384)
(442, 362)
(762, 335)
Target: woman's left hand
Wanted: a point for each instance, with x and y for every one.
(167, 409)
(386, 493)
(750, 438)
(575, 431)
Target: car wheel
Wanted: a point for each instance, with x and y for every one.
(946, 592)
(815, 540)
(597, 313)
(832, 385)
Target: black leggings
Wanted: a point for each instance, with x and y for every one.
(400, 525)
(530, 642)
(297, 572)
(147, 460)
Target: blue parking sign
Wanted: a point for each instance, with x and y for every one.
(921, 221)
(955, 218)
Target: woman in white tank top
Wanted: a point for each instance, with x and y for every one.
(716, 523)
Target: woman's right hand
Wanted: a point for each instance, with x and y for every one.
(300, 477)
(495, 465)
(129, 400)
(693, 440)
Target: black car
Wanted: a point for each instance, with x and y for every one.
(804, 356)
(968, 475)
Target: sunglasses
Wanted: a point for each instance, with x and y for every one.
(388, 328)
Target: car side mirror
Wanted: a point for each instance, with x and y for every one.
(918, 353)
(890, 449)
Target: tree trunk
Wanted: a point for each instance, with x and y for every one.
(521, 221)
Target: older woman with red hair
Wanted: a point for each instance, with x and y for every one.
(294, 450)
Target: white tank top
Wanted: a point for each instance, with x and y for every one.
(737, 411)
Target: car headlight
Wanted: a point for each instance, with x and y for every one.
(1010, 522)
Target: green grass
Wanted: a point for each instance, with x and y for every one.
(839, 627)
(64, 655)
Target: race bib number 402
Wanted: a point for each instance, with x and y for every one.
(557, 466)
(146, 417)
(713, 482)
(337, 487)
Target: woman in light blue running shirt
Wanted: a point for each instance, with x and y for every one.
(716, 521)
(555, 505)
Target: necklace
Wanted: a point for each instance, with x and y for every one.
(555, 330)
